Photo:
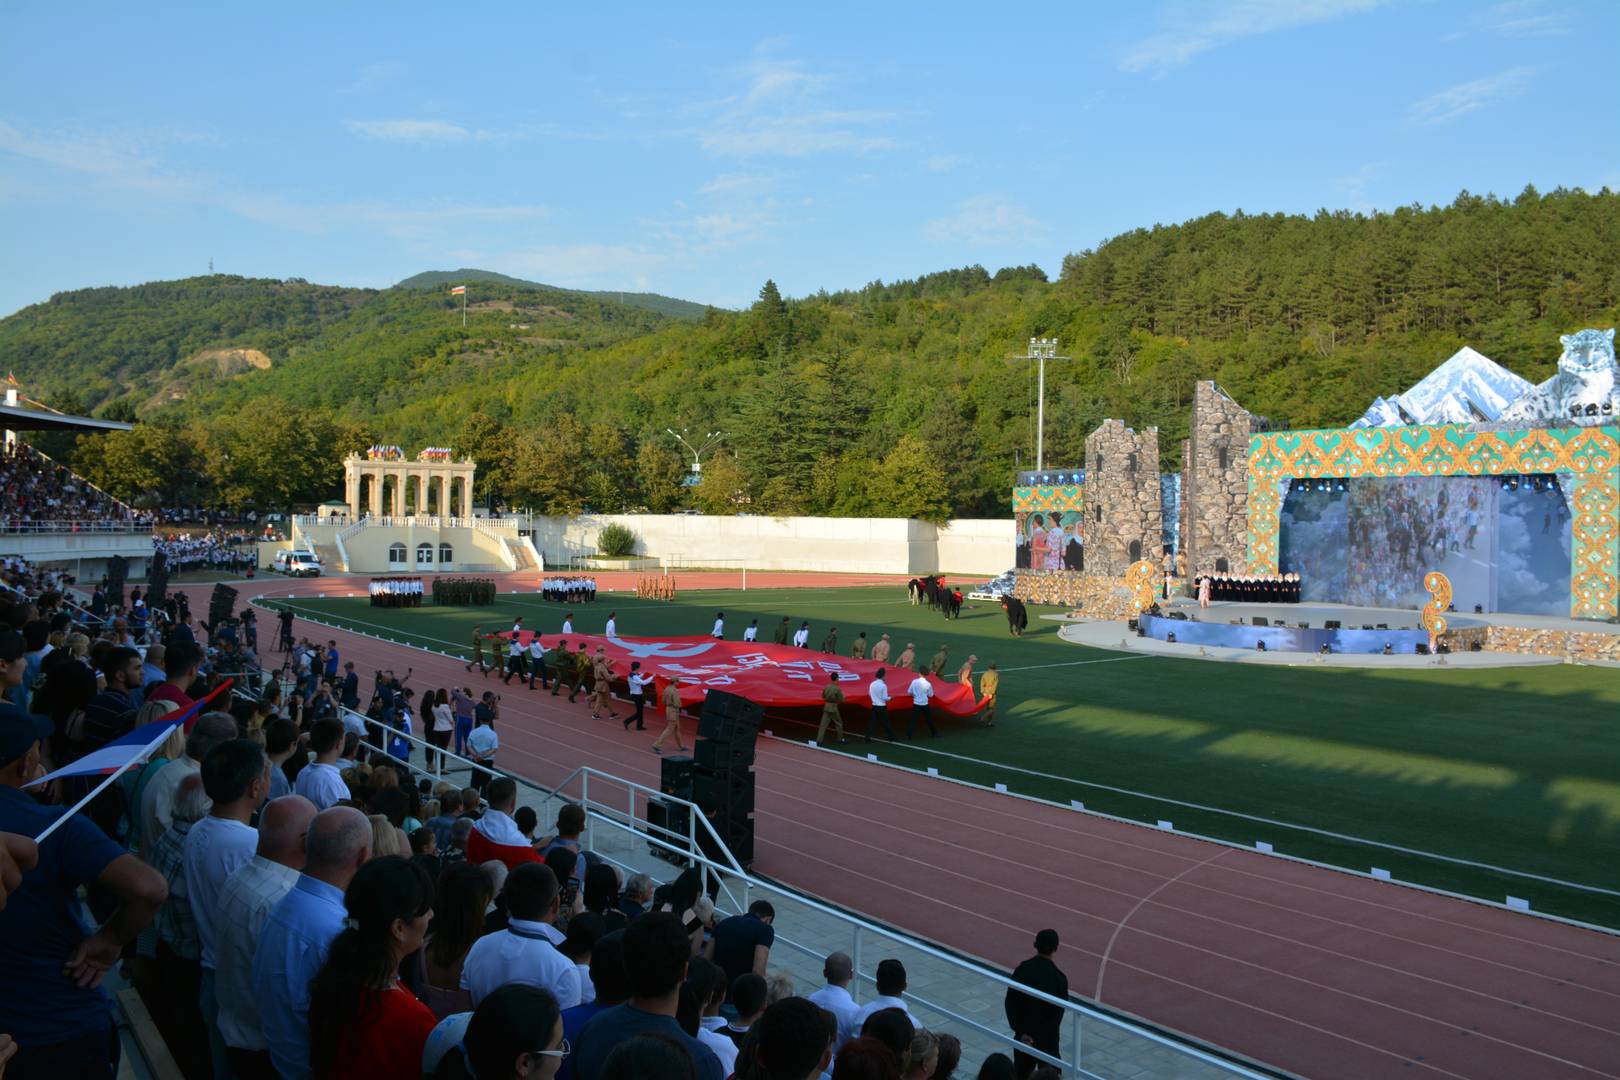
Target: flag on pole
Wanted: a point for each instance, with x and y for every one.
(123, 752)
(458, 290)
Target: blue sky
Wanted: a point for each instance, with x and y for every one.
(696, 150)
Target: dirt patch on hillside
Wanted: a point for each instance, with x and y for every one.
(234, 361)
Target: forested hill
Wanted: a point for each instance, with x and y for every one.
(443, 279)
(895, 398)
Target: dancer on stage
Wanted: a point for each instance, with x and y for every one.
(1203, 591)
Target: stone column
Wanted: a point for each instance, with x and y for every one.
(467, 493)
(351, 488)
(445, 509)
(375, 499)
(400, 480)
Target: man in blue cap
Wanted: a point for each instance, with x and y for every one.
(53, 1007)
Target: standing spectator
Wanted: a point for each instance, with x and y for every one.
(516, 1034)
(656, 951)
(441, 728)
(52, 1005)
(527, 950)
(349, 688)
(791, 1043)
(1033, 1021)
(363, 1022)
(280, 744)
(235, 776)
(459, 902)
(742, 943)
(461, 704)
(244, 904)
(482, 745)
(496, 834)
(320, 781)
(839, 972)
(177, 952)
(157, 798)
(891, 984)
(181, 659)
(748, 993)
(298, 931)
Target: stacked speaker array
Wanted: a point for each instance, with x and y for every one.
(221, 605)
(719, 777)
(117, 574)
(157, 578)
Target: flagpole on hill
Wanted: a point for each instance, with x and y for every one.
(461, 290)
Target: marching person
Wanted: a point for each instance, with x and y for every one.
(829, 644)
(568, 623)
(672, 718)
(751, 631)
(582, 674)
(878, 691)
(989, 684)
(920, 690)
(801, 636)
(478, 651)
(612, 629)
(537, 663)
(832, 697)
(907, 657)
(857, 648)
(719, 631)
(936, 666)
(565, 668)
(602, 686)
(880, 651)
(783, 629)
(638, 697)
(964, 674)
(514, 659)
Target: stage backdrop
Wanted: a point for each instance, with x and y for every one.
(773, 676)
(1050, 520)
(1503, 542)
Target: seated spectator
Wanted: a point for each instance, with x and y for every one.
(790, 1042)
(839, 971)
(709, 989)
(894, 1029)
(562, 863)
(387, 838)
(440, 823)
(52, 1005)
(922, 1058)
(460, 833)
(495, 835)
(637, 895)
(459, 903)
(891, 984)
(516, 1034)
(527, 950)
(647, 1055)
(866, 1058)
(997, 1067)
(363, 1022)
(527, 821)
(748, 998)
(585, 929)
(742, 943)
(425, 851)
(656, 952)
(601, 895)
(778, 987)
(612, 985)
(472, 803)
(300, 928)
(950, 1056)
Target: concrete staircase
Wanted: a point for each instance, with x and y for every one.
(331, 560)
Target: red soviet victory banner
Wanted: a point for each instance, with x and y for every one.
(771, 675)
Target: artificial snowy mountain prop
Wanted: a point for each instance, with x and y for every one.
(1468, 388)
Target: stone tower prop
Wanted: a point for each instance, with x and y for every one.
(1215, 482)
(1124, 517)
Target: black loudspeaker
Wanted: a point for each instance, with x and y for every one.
(729, 718)
(671, 823)
(1131, 624)
(739, 837)
(718, 756)
(1421, 648)
(1333, 624)
(221, 605)
(117, 574)
(676, 774)
(1383, 626)
(1260, 620)
(157, 578)
(1304, 626)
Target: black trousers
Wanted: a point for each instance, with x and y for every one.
(920, 712)
(880, 718)
(538, 670)
(640, 715)
(89, 1057)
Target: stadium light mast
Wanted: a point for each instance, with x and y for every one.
(710, 441)
(1041, 350)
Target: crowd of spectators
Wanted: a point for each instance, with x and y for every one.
(290, 902)
(219, 549)
(36, 493)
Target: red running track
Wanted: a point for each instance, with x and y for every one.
(1308, 970)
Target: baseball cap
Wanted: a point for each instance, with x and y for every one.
(19, 731)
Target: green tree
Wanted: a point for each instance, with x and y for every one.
(147, 462)
(659, 475)
(490, 444)
(910, 483)
(724, 488)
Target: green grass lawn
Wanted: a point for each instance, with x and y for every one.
(1516, 768)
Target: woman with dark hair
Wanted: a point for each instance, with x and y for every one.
(459, 903)
(441, 725)
(363, 1022)
(865, 1058)
(585, 929)
(950, 1056)
(602, 895)
(516, 1033)
(997, 1067)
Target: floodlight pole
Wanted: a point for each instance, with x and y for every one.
(710, 440)
(1041, 350)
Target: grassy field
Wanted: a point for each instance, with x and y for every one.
(1516, 768)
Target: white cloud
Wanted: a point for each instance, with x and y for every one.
(119, 160)
(1193, 29)
(415, 131)
(943, 162)
(985, 221)
(784, 109)
(1464, 98)
(1521, 19)
(726, 182)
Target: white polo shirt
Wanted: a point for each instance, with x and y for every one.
(920, 690)
(321, 784)
(878, 691)
(525, 952)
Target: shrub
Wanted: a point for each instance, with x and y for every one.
(616, 541)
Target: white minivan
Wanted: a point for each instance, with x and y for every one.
(298, 563)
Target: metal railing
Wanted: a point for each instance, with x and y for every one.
(23, 528)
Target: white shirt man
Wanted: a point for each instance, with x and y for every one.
(514, 648)
(882, 1001)
(801, 637)
(750, 633)
(525, 952)
(612, 627)
(711, 1035)
(215, 849)
(920, 690)
(638, 683)
(568, 624)
(878, 691)
(244, 903)
(836, 1000)
(537, 652)
(321, 784)
(719, 630)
